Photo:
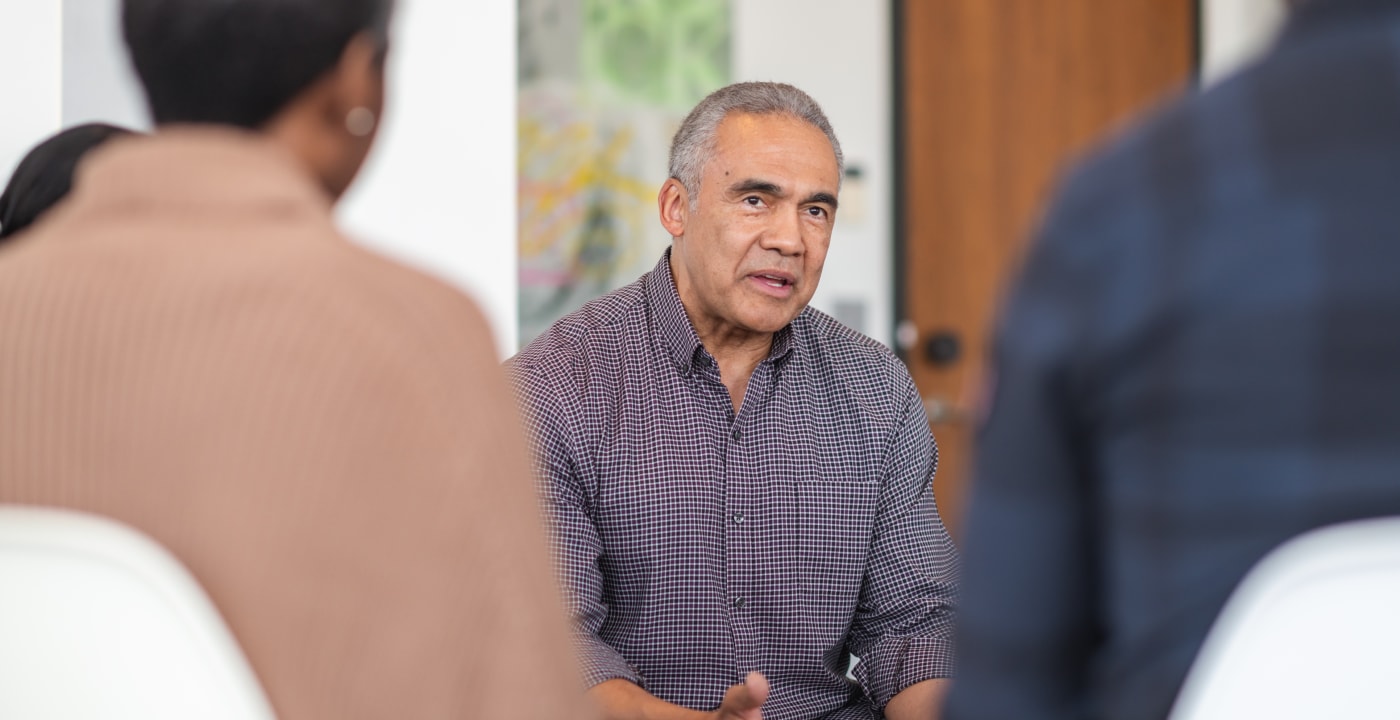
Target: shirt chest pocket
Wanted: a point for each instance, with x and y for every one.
(837, 519)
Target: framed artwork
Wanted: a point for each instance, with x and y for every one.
(603, 85)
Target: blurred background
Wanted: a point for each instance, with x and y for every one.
(526, 139)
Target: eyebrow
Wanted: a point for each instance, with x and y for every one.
(770, 188)
(755, 185)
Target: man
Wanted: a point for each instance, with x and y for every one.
(1200, 363)
(738, 484)
(322, 437)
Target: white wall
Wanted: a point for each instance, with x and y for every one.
(98, 82)
(439, 189)
(1235, 32)
(840, 52)
(31, 48)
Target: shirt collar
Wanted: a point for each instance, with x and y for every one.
(673, 325)
(198, 168)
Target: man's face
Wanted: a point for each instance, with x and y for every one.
(748, 256)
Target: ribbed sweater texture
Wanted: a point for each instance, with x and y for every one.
(323, 437)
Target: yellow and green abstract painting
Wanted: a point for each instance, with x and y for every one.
(603, 85)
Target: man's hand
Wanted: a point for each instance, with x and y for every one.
(622, 700)
(745, 700)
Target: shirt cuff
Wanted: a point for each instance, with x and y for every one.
(899, 663)
(602, 663)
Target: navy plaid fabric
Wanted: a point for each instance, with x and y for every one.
(696, 545)
(1201, 361)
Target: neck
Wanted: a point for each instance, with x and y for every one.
(738, 354)
(731, 345)
(737, 350)
(304, 142)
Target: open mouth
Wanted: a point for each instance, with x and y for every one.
(778, 285)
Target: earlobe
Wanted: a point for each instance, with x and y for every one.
(674, 204)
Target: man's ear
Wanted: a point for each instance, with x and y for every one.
(674, 203)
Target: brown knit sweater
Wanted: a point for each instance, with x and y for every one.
(321, 436)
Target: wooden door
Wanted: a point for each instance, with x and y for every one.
(996, 97)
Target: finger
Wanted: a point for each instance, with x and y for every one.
(748, 695)
(757, 686)
(737, 699)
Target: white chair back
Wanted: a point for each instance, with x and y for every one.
(1313, 631)
(98, 621)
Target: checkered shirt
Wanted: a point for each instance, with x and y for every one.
(696, 545)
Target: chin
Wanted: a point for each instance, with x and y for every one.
(770, 322)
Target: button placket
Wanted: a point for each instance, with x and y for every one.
(743, 480)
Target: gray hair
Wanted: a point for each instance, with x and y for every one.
(694, 143)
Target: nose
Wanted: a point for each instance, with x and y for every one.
(785, 234)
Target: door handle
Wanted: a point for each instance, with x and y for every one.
(943, 348)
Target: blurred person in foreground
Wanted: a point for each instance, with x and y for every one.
(1200, 362)
(323, 437)
(740, 488)
(45, 176)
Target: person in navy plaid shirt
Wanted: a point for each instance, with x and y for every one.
(1201, 361)
(739, 487)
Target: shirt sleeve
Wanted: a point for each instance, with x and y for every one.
(902, 631)
(577, 547)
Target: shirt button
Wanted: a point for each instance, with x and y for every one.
(738, 603)
(738, 434)
(738, 518)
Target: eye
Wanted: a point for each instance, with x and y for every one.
(753, 201)
(817, 211)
